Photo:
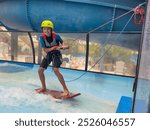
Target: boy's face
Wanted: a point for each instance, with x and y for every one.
(47, 31)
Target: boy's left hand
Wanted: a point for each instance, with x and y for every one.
(65, 47)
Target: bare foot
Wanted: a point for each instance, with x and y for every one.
(64, 94)
(41, 90)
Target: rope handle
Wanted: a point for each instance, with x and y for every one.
(138, 11)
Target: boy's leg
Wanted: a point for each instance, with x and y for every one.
(43, 66)
(62, 81)
(42, 78)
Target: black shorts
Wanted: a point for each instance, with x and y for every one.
(54, 57)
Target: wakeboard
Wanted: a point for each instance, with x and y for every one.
(57, 94)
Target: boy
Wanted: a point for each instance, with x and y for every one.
(50, 44)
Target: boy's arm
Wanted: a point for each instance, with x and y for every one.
(49, 49)
(64, 46)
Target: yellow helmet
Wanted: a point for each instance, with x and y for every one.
(47, 23)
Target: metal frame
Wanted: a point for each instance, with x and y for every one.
(32, 45)
(87, 50)
(138, 65)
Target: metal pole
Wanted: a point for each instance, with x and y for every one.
(87, 52)
(32, 45)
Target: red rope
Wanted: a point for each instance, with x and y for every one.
(137, 12)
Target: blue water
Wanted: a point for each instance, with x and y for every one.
(99, 92)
